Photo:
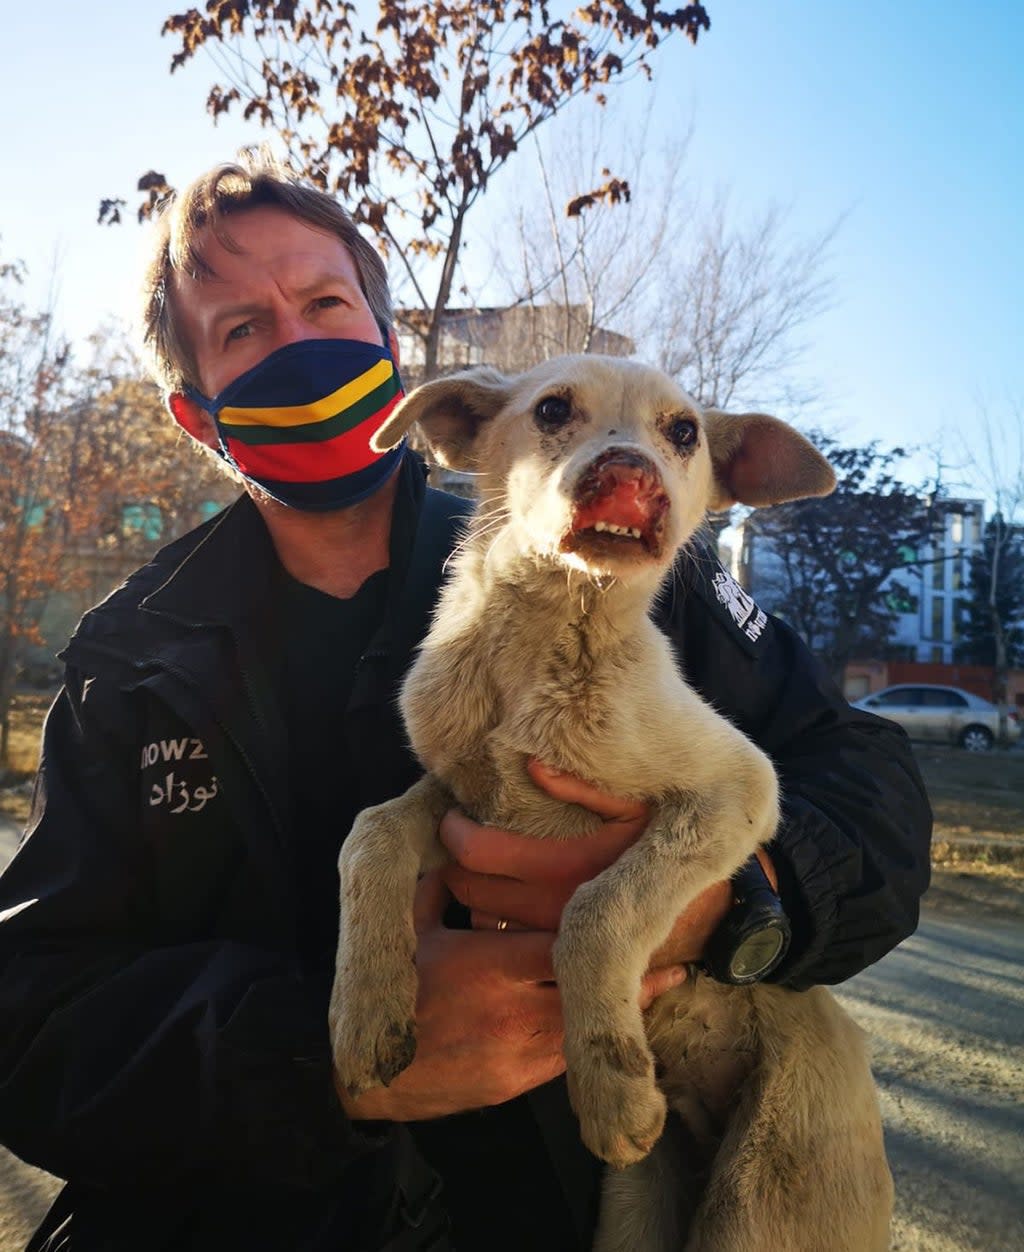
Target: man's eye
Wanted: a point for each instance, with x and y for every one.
(328, 302)
(242, 331)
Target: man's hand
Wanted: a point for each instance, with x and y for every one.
(527, 882)
(488, 1019)
(500, 876)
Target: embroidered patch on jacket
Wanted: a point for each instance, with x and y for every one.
(744, 612)
(183, 788)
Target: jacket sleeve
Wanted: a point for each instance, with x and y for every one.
(852, 849)
(126, 1057)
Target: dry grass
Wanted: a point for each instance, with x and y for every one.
(27, 713)
(978, 799)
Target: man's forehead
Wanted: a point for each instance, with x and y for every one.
(259, 240)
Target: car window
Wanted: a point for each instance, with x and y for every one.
(944, 700)
(902, 696)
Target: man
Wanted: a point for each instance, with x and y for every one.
(168, 926)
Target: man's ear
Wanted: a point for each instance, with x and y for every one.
(451, 413)
(192, 419)
(759, 460)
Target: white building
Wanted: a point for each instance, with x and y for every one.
(931, 628)
(930, 614)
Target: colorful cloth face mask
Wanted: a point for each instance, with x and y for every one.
(299, 423)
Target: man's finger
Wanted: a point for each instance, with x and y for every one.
(487, 850)
(490, 921)
(574, 790)
(515, 956)
(537, 906)
(430, 901)
(521, 956)
(658, 982)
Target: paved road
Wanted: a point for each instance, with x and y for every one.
(946, 1016)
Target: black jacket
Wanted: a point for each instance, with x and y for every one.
(163, 1045)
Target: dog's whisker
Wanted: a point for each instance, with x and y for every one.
(474, 535)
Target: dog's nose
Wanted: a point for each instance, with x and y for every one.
(621, 474)
(620, 466)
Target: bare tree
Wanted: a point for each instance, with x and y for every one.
(585, 263)
(733, 299)
(409, 117)
(94, 476)
(718, 303)
(34, 370)
(995, 458)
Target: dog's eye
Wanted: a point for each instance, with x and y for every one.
(682, 432)
(552, 412)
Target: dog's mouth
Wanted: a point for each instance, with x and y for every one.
(619, 508)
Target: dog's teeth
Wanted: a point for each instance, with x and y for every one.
(611, 529)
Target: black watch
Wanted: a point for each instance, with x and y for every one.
(754, 935)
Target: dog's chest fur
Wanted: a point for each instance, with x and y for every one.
(535, 665)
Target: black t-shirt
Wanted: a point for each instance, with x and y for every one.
(324, 639)
(500, 1188)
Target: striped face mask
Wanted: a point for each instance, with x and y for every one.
(299, 423)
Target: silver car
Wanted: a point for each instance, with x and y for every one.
(941, 714)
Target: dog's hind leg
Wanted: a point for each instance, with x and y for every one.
(802, 1164)
(373, 1001)
(649, 1206)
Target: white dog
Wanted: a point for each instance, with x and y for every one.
(595, 471)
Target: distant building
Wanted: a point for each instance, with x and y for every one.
(929, 629)
(509, 339)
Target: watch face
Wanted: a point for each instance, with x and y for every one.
(756, 953)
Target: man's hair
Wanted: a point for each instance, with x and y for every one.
(255, 180)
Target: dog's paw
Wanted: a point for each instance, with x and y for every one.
(612, 1089)
(373, 1037)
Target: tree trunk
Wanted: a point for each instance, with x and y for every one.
(6, 696)
(431, 350)
(1001, 675)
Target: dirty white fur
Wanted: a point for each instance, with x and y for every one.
(542, 646)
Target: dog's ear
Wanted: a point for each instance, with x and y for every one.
(450, 412)
(759, 460)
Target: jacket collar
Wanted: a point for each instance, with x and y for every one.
(231, 578)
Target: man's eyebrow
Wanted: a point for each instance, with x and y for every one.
(230, 312)
(246, 308)
(326, 278)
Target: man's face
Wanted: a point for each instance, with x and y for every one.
(288, 282)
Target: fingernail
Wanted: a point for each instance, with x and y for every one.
(551, 769)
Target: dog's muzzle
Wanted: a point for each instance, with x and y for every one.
(619, 502)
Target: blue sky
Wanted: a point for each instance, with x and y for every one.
(908, 124)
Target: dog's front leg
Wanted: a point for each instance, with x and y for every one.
(609, 929)
(373, 1002)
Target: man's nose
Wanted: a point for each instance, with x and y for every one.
(290, 326)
